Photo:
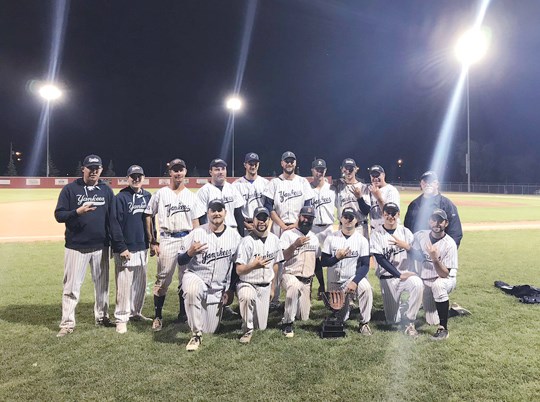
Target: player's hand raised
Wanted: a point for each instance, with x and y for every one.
(432, 250)
(197, 248)
(301, 241)
(85, 208)
(400, 243)
(356, 190)
(342, 253)
(259, 262)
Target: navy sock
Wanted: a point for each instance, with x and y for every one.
(158, 305)
(442, 309)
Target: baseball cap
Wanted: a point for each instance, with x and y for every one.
(319, 163)
(135, 169)
(377, 169)
(348, 162)
(288, 154)
(391, 208)
(440, 213)
(349, 211)
(216, 205)
(260, 210)
(176, 162)
(218, 162)
(92, 160)
(307, 211)
(429, 176)
(251, 156)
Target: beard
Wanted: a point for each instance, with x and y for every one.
(305, 227)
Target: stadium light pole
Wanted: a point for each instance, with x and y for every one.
(50, 93)
(470, 49)
(233, 104)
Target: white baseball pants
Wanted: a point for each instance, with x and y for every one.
(254, 304)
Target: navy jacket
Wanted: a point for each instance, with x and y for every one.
(128, 211)
(93, 229)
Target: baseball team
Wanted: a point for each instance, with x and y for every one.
(253, 238)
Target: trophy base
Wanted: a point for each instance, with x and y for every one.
(332, 327)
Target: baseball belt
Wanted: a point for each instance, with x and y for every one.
(176, 235)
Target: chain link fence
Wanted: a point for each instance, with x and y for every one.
(490, 188)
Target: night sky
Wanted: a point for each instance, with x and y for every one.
(369, 79)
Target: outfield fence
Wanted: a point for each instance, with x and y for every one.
(489, 188)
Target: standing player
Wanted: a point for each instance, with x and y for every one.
(85, 206)
(285, 197)
(389, 244)
(219, 188)
(300, 250)
(380, 193)
(346, 254)
(324, 199)
(251, 186)
(351, 193)
(257, 265)
(130, 204)
(177, 210)
(211, 251)
(439, 269)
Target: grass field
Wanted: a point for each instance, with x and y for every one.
(490, 355)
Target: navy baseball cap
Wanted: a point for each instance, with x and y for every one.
(307, 211)
(218, 162)
(288, 154)
(251, 157)
(261, 210)
(439, 213)
(135, 169)
(176, 162)
(429, 176)
(318, 163)
(349, 211)
(391, 208)
(92, 160)
(348, 162)
(376, 170)
(216, 205)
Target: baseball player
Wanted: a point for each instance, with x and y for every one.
(419, 209)
(177, 210)
(438, 253)
(130, 271)
(346, 254)
(85, 207)
(285, 197)
(389, 244)
(380, 193)
(300, 250)
(352, 193)
(251, 186)
(219, 188)
(257, 266)
(324, 200)
(211, 251)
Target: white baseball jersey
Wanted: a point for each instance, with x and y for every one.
(302, 263)
(381, 242)
(345, 269)
(252, 246)
(323, 202)
(389, 194)
(252, 192)
(175, 211)
(447, 254)
(214, 265)
(230, 196)
(289, 196)
(345, 198)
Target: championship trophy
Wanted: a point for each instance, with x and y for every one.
(337, 302)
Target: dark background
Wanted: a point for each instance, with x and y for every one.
(146, 81)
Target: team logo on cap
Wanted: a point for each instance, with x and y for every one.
(93, 160)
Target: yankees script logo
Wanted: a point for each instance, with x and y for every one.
(135, 208)
(388, 252)
(285, 196)
(267, 256)
(207, 258)
(95, 200)
(254, 196)
(174, 209)
(321, 201)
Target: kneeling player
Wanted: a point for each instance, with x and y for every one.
(211, 249)
(257, 265)
(346, 254)
(389, 244)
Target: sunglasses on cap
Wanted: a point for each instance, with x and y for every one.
(349, 217)
(375, 174)
(177, 169)
(349, 169)
(289, 160)
(391, 213)
(216, 209)
(262, 217)
(136, 176)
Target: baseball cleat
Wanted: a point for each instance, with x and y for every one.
(105, 322)
(157, 324)
(121, 327)
(441, 334)
(246, 338)
(194, 342)
(63, 332)
(457, 311)
(365, 330)
(411, 330)
(288, 330)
